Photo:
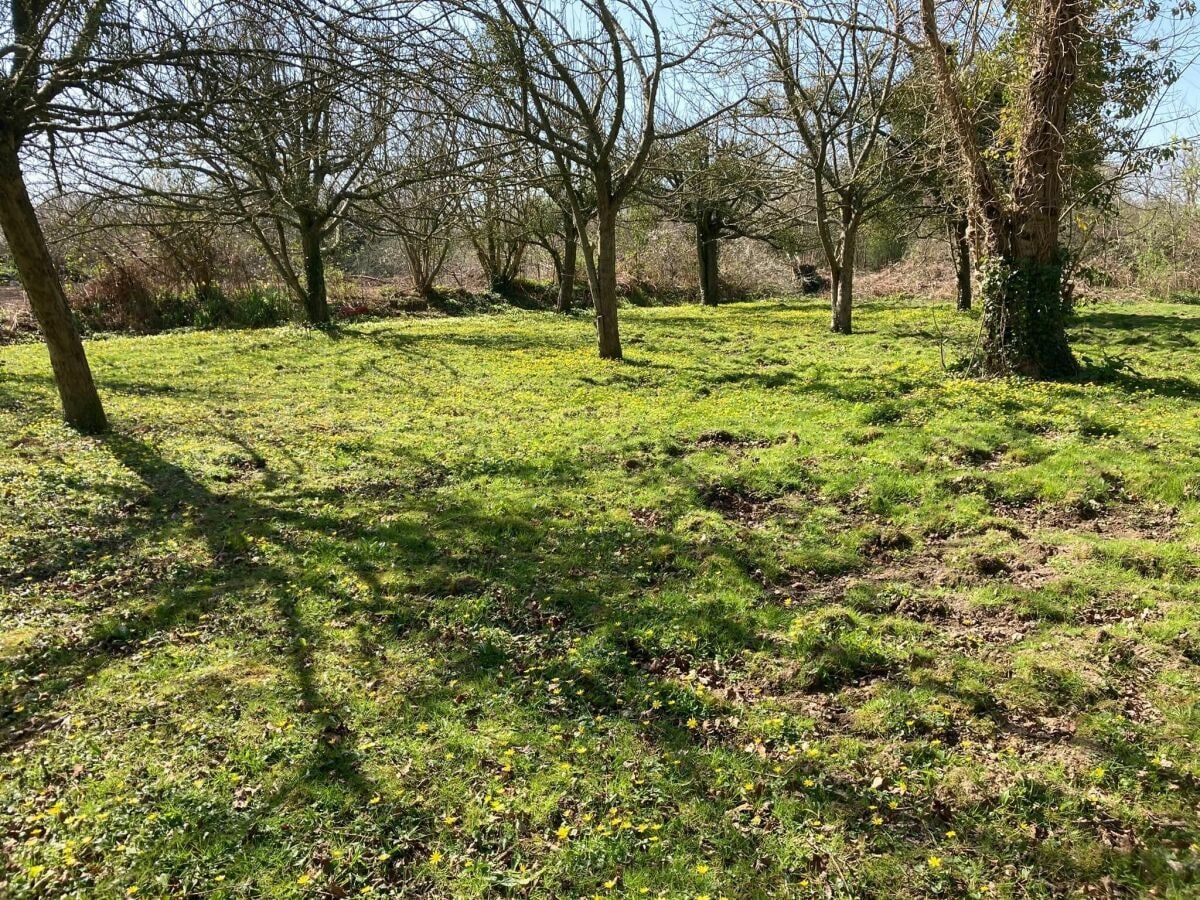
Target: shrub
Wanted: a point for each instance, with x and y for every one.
(258, 306)
(118, 298)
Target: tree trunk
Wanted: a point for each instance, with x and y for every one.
(1025, 310)
(424, 264)
(707, 254)
(80, 401)
(961, 248)
(316, 300)
(421, 280)
(604, 297)
(842, 285)
(1026, 303)
(842, 299)
(570, 259)
(512, 270)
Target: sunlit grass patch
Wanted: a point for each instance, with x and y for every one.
(451, 608)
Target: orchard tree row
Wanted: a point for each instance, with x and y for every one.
(536, 122)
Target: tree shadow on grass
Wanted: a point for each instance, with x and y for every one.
(1153, 330)
(233, 527)
(490, 341)
(774, 311)
(1119, 373)
(536, 578)
(456, 550)
(26, 393)
(228, 526)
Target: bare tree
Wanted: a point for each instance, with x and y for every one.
(180, 247)
(935, 205)
(559, 236)
(553, 228)
(280, 140)
(423, 177)
(822, 79)
(550, 226)
(424, 215)
(497, 213)
(717, 186)
(72, 69)
(582, 83)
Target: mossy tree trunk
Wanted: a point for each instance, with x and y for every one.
(1025, 311)
(1025, 298)
(81, 404)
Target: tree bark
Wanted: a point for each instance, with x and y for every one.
(1026, 298)
(81, 404)
(842, 297)
(961, 248)
(708, 257)
(570, 261)
(604, 296)
(842, 285)
(424, 263)
(1025, 309)
(421, 281)
(423, 284)
(316, 300)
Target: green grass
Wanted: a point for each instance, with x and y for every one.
(452, 608)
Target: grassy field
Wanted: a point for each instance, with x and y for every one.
(451, 608)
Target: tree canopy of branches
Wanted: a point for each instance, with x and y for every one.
(279, 140)
(821, 80)
(583, 84)
(497, 212)
(421, 203)
(717, 186)
(72, 70)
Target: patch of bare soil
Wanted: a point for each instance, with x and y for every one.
(722, 438)
(939, 563)
(984, 460)
(1028, 557)
(883, 544)
(1025, 546)
(1030, 561)
(1122, 518)
(777, 676)
(1132, 670)
(746, 508)
(423, 482)
(648, 518)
